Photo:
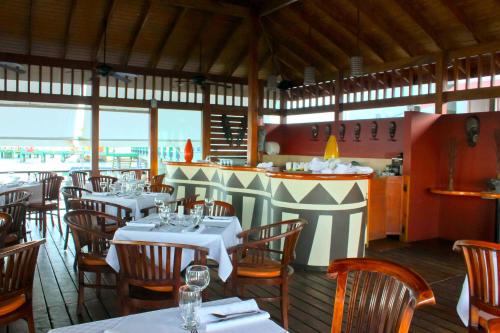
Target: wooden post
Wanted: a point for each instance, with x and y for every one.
(95, 124)
(337, 107)
(205, 128)
(153, 138)
(283, 100)
(253, 89)
(441, 83)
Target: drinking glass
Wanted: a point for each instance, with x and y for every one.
(139, 188)
(189, 305)
(103, 186)
(164, 214)
(159, 203)
(209, 203)
(198, 275)
(147, 184)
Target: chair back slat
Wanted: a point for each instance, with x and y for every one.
(219, 208)
(72, 192)
(17, 212)
(50, 188)
(124, 214)
(17, 269)
(5, 223)
(96, 181)
(482, 260)
(382, 297)
(41, 176)
(79, 178)
(158, 179)
(14, 196)
(162, 188)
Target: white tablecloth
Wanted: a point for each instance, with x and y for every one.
(171, 319)
(216, 239)
(34, 187)
(134, 203)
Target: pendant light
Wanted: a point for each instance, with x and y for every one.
(309, 71)
(357, 59)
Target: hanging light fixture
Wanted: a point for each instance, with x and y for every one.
(309, 71)
(357, 59)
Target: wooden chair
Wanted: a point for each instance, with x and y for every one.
(71, 192)
(162, 188)
(49, 204)
(79, 178)
(137, 174)
(18, 263)
(158, 179)
(151, 272)
(5, 222)
(122, 213)
(16, 232)
(260, 259)
(220, 208)
(383, 295)
(493, 325)
(42, 175)
(14, 196)
(91, 237)
(96, 181)
(481, 258)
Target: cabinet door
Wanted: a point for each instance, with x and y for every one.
(393, 205)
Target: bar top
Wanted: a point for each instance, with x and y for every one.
(278, 174)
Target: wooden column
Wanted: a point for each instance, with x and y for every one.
(253, 89)
(283, 100)
(205, 128)
(95, 124)
(153, 138)
(441, 83)
(337, 107)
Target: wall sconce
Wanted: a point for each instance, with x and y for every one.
(472, 130)
(315, 132)
(342, 131)
(357, 132)
(374, 130)
(392, 131)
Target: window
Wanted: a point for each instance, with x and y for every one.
(310, 118)
(387, 112)
(174, 128)
(44, 137)
(268, 119)
(123, 138)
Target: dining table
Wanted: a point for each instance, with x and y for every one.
(170, 321)
(35, 188)
(216, 233)
(132, 201)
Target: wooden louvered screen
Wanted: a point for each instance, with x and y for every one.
(225, 147)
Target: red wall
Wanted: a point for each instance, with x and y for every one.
(296, 139)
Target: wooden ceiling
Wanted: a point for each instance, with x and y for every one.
(167, 34)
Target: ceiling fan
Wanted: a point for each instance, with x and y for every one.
(200, 79)
(105, 70)
(13, 66)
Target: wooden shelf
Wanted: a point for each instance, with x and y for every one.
(464, 193)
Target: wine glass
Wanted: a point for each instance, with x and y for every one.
(198, 275)
(164, 214)
(159, 203)
(209, 203)
(189, 305)
(103, 186)
(147, 184)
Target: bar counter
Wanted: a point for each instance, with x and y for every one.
(334, 205)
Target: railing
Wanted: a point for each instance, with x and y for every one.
(67, 172)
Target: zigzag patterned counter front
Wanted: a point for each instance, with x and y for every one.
(334, 205)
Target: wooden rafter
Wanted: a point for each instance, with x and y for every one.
(153, 63)
(341, 18)
(409, 8)
(216, 7)
(312, 56)
(30, 28)
(270, 6)
(233, 29)
(193, 45)
(237, 62)
(71, 11)
(460, 16)
(143, 18)
(110, 9)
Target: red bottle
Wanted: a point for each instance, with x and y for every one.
(188, 151)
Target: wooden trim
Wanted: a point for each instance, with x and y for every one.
(253, 90)
(205, 129)
(311, 176)
(338, 105)
(143, 18)
(441, 80)
(471, 94)
(466, 193)
(95, 125)
(215, 7)
(153, 139)
(68, 27)
(30, 28)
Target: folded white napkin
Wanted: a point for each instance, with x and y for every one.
(265, 165)
(100, 194)
(139, 226)
(210, 323)
(134, 325)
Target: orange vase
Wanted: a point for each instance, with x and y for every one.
(188, 151)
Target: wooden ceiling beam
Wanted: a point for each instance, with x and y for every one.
(270, 6)
(237, 62)
(156, 57)
(215, 7)
(29, 41)
(193, 45)
(69, 20)
(110, 9)
(460, 16)
(414, 13)
(350, 27)
(233, 29)
(143, 18)
(300, 47)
